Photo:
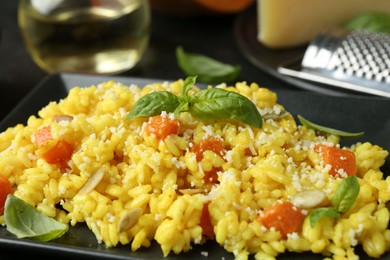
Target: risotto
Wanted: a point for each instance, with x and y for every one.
(179, 180)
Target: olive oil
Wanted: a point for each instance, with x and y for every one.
(102, 37)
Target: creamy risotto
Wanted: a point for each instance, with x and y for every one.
(181, 181)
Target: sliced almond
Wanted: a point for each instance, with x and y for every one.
(309, 199)
(93, 181)
(129, 219)
(191, 191)
(62, 117)
(272, 114)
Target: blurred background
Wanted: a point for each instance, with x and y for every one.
(195, 27)
(226, 31)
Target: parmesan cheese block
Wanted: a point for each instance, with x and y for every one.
(289, 23)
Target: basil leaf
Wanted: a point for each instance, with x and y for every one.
(346, 194)
(183, 106)
(320, 213)
(153, 104)
(207, 69)
(206, 104)
(24, 221)
(328, 130)
(342, 200)
(187, 86)
(217, 103)
(374, 22)
(184, 99)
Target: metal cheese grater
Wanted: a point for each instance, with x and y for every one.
(355, 60)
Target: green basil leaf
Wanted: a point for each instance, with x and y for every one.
(328, 130)
(215, 103)
(25, 221)
(182, 107)
(346, 194)
(184, 99)
(207, 69)
(153, 104)
(372, 21)
(187, 86)
(320, 213)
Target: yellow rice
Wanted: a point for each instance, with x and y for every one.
(260, 167)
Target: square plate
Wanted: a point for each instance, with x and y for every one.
(352, 114)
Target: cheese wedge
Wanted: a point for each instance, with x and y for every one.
(289, 23)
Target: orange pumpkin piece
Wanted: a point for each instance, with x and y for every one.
(205, 222)
(60, 153)
(42, 135)
(162, 126)
(211, 177)
(5, 189)
(283, 217)
(341, 160)
(213, 144)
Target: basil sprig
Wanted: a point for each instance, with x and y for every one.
(24, 221)
(152, 104)
(372, 21)
(328, 130)
(207, 104)
(207, 69)
(342, 200)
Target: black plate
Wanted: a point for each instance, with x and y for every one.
(268, 59)
(369, 114)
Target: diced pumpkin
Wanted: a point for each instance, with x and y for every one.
(60, 153)
(283, 217)
(53, 151)
(211, 177)
(342, 161)
(5, 189)
(42, 135)
(213, 144)
(162, 126)
(205, 222)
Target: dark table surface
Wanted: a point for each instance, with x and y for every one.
(212, 36)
